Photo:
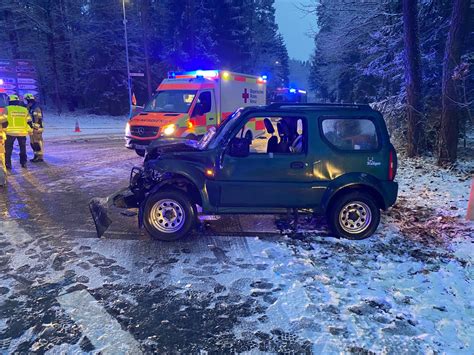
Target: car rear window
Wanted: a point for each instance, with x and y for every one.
(350, 133)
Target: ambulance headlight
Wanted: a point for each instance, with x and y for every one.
(128, 132)
(169, 130)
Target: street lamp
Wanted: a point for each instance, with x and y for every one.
(129, 82)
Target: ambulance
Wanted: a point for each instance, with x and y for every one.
(187, 104)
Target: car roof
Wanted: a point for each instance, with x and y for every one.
(328, 107)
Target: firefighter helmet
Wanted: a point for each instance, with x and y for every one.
(13, 98)
(29, 97)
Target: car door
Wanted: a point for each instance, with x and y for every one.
(204, 114)
(278, 178)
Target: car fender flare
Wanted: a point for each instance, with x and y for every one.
(353, 181)
(183, 176)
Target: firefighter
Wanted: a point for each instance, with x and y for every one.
(18, 128)
(36, 139)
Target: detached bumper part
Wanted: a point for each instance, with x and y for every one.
(99, 208)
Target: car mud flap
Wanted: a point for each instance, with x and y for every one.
(99, 208)
(140, 215)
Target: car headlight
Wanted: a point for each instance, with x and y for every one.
(128, 132)
(169, 130)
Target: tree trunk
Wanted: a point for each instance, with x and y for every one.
(412, 77)
(54, 71)
(449, 133)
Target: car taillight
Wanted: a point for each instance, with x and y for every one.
(392, 164)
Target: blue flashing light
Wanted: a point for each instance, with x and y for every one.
(171, 75)
(264, 77)
(206, 73)
(302, 91)
(293, 91)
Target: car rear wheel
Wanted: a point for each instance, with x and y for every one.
(354, 216)
(169, 215)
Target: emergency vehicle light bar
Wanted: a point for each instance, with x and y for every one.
(208, 74)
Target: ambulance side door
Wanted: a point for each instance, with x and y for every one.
(204, 113)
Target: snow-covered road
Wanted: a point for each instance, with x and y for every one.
(228, 292)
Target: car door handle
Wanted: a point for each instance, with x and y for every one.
(297, 165)
(211, 118)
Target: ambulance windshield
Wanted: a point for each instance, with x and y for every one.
(214, 138)
(176, 101)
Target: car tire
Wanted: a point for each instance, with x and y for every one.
(354, 215)
(140, 152)
(169, 215)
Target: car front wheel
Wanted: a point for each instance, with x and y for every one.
(354, 216)
(169, 215)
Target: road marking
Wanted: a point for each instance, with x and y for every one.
(103, 331)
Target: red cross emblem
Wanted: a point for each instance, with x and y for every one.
(245, 95)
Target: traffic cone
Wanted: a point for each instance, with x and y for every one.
(470, 204)
(77, 129)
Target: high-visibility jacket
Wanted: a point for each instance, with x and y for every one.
(19, 121)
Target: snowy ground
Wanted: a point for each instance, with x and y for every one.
(63, 126)
(408, 289)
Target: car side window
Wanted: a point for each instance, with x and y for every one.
(277, 135)
(350, 133)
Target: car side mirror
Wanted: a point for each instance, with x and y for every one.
(239, 147)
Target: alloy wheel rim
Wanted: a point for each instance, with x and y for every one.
(355, 217)
(167, 216)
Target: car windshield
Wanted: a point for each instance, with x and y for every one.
(177, 101)
(3, 100)
(213, 138)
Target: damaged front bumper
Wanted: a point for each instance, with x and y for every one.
(128, 197)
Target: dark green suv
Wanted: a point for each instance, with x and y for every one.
(335, 160)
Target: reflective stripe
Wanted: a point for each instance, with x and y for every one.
(188, 86)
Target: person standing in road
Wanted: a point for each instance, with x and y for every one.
(36, 139)
(18, 128)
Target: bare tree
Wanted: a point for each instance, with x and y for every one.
(449, 133)
(412, 77)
